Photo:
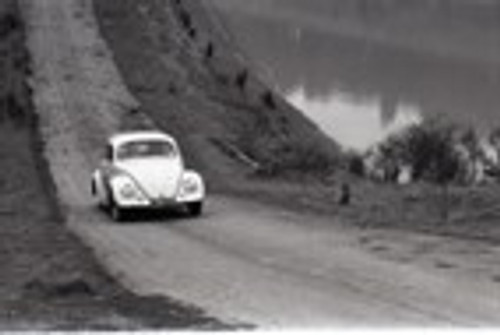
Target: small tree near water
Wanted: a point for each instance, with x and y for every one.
(429, 149)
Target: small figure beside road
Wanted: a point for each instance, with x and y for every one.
(345, 195)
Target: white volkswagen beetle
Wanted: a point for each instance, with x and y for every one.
(145, 169)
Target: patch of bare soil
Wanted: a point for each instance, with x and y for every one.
(49, 280)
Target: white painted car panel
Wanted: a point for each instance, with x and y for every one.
(158, 177)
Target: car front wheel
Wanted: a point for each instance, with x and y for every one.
(117, 213)
(195, 208)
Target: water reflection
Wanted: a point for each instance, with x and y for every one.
(358, 89)
(356, 123)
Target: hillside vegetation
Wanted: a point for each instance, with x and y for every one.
(191, 79)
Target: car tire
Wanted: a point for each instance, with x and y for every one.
(195, 208)
(117, 213)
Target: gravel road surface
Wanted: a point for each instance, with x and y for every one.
(242, 261)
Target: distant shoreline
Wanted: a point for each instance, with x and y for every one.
(462, 43)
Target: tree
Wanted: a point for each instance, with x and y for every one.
(428, 148)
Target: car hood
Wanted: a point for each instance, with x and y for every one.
(157, 177)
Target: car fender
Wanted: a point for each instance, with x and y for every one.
(199, 195)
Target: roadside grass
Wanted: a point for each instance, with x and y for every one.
(463, 212)
(459, 211)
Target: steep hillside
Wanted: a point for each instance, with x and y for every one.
(182, 65)
(49, 280)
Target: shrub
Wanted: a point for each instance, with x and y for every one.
(268, 100)
(9, 23)
(429, 148)
(209, 50)
(292, 156)
(192, 33)
(355, 165)
(241, 79)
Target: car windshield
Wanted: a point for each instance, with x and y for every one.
(145, 149)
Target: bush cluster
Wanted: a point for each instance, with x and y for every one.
(428, 148)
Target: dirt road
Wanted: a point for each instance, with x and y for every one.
(242, 261)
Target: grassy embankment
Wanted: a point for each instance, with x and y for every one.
(49, 280)
(191, 79)
(184, 71)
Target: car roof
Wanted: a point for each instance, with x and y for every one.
(129, 136)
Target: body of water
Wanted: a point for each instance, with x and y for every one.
(362, 73)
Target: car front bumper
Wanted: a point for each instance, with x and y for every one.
(158, 203)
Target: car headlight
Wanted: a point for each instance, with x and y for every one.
(190, 185)
(127, 189)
